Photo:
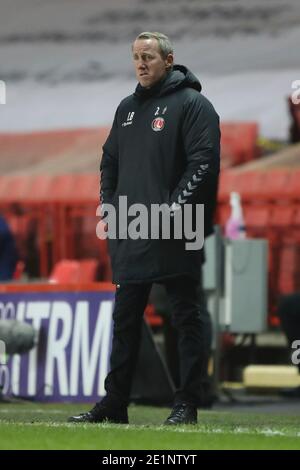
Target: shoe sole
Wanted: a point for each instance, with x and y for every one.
(170, 423)
(113, 421)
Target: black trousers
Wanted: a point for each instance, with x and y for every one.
(192, 322)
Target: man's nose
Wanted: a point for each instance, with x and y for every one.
(141, 64)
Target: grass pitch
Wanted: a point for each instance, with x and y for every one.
(36, 426)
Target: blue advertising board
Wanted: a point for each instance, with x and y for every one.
(71, 359)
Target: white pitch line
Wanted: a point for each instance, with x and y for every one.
(268, 432)
(32, 411)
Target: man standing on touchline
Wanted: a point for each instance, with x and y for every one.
(164, 147)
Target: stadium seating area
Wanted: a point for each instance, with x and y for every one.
(53, 214)
(239, 143)
(271, 204)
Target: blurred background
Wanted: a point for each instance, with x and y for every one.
(66, 65)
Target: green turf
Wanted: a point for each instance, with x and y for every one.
(35, 426)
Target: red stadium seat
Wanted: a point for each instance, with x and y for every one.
(20, 268)
(87, 187)
(275, 184)
(238, 143)
(228, 182)
(74, 271)
(88, 270)
(257, 216)
(283, 216)
(292, 190)
(151, 316)
(65, 271)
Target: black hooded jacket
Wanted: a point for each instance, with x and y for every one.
(164, 147)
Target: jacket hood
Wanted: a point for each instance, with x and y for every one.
(179, 77)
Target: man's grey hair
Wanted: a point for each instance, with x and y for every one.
(164, 42)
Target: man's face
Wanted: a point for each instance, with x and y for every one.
(150, 67)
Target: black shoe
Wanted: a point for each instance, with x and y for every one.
(100, 414)
(182, 413)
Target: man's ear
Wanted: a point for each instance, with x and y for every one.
(169, 61)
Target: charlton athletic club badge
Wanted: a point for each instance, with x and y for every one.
(158, 124)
